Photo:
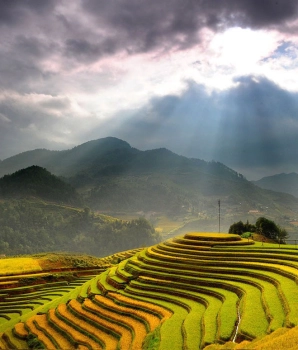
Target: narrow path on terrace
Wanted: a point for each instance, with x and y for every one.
(238, 322)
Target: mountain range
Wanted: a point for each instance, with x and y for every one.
(111, 176)
(287, 183)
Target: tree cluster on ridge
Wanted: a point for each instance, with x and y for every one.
(263, 226)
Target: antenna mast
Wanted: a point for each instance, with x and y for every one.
(219, 215)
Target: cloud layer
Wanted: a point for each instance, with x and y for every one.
(206, 78)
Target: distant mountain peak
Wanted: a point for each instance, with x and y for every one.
(36, 181)
(287, 183)
(111, 142)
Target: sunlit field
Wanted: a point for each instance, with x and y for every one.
(215, 288)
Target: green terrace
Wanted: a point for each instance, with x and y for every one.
(187, 292)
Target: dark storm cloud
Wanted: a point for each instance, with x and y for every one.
(253, 125)
(175, 23)
(13, 12)
(20, 66)
(93, 29)
(85, 50)
(46, 47)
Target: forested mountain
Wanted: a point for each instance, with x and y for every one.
(110, 175)
(287, 183)
(37, 182)
(33, 226)
(110, 156)
(70, 162)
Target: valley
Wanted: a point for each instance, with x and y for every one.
(107, 247)
(110, 177)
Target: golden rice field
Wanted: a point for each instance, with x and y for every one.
(18, 265)
(196, 291)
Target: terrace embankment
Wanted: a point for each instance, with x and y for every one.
(188, 292)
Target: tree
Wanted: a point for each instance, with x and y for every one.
(263, 226)
(239, 227)
(282, 235)
(267, 228)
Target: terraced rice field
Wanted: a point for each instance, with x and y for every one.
(196, 291)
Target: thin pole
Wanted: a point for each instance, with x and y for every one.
(219, 215)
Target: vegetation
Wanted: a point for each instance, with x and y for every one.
(31, 226)
(287, 183)
(192, 291)
(112, 176)
(187, 292)
(35, 181)
(50, 279)
(263, 226)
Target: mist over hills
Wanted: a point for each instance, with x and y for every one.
(37, 182)
(287, 183)
(112, 176)
(40, 212)
(64, 163)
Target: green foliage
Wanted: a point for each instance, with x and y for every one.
(112, 176)
(282, 234)
(34, 343)
(239, 228)
(263, 226)
(266, 227)
(246, 235)
(28, 227)
(270, 229)
(37, 182)
(152, 340)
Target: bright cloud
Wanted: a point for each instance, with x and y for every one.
(75, 70)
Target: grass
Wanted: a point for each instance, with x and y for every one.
(273, 305)
(80, 331)
(203, 309)
(168, 338)
(150, 309)
(130, 330)
(178, 294)
(251, 306)
(11, 342)
(211, 236)
(16, 266)
(46, 325)
(40, 335)
(85, 323)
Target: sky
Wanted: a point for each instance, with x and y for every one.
(208, 79)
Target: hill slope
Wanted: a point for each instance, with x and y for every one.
(67, 162)
(35, 181)
(112, 176)
(187, 292)
(287, 183)
(33, 226)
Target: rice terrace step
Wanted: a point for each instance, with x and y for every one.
(197, 291)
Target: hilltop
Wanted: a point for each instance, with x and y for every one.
(37, 182)
(287, 183)
(69, 162)
(114, 178)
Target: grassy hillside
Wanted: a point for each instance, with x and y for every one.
(31, 226)
(35, 283)
(192, 291)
